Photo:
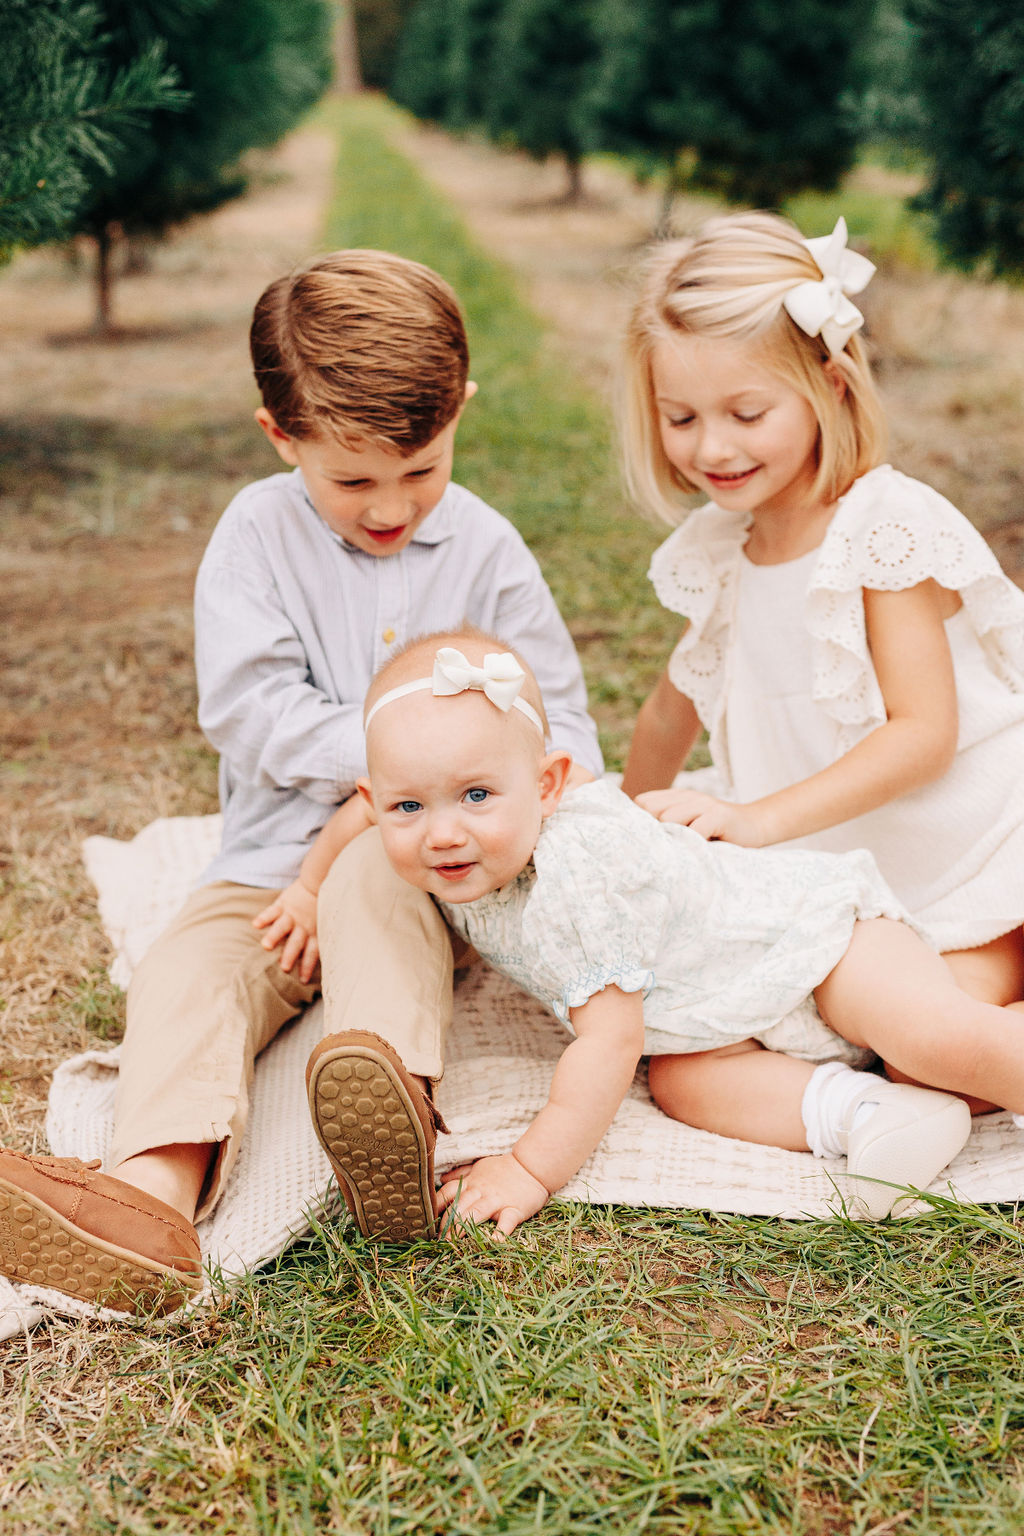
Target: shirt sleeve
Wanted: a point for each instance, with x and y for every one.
(257, 704)
(529, 620)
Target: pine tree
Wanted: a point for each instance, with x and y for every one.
(63, 104)
(755, 91)
(635, 96)
(379, 26)
(540, 60)
(423, 60)
(473, 27)
(250, 70)
(969, 64)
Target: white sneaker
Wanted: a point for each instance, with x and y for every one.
(912, 1135)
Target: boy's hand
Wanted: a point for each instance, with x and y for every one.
(290, 919)
(497, 1188)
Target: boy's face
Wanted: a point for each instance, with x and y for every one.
(375, 499)
(459, 790)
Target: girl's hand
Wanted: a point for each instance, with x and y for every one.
(290, 919)
(493, 1188)
(713, 819)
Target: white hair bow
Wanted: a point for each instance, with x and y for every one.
(500, 678)
(823, 308)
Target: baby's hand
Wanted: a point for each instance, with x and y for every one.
(290, 919)
(497, 1188)
(713, 819)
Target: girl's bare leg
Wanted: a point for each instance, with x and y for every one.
(993, 973)
(894, 995)
(739, 1090)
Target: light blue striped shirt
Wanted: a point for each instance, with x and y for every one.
(291, 624)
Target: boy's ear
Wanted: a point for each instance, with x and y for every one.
(471, 388)
(553, 778)
(284, 444)
(363, 787)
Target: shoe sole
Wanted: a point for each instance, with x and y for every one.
(367, 1124)
(950, 1127)
(40, 1247)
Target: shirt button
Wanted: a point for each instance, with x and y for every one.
(388, 636)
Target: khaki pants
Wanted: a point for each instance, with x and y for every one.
(207, 998)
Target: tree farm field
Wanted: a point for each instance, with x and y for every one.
(608, 1370)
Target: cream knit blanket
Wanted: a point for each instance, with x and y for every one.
(501, 1054)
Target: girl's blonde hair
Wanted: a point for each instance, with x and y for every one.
(728, 281)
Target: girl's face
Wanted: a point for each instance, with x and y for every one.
(732, 427)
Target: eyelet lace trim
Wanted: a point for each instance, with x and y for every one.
(889, 533)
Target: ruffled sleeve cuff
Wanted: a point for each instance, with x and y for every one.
(584, 987)
(693, 574)
(890, 533)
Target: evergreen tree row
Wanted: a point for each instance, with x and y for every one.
(751, 98)
(758, 95)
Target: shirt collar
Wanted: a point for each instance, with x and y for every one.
(440, 525)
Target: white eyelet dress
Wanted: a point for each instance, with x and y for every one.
(776, 662)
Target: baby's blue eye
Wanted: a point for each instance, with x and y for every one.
(477, 796)
(408, 807)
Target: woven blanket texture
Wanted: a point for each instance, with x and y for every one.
(502, 1051)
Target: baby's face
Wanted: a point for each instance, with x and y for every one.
(460, 790)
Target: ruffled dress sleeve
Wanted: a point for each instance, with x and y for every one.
(597, 911)
(889, 533)
(694, 574)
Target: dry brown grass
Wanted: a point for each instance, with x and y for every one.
(115, 460)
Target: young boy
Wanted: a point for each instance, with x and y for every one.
(309, 582)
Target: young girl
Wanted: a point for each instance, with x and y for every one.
(853, 648)
(645, 938)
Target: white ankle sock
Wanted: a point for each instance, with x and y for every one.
(827, 1097)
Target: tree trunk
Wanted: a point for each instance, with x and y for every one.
(663, 227)
(104, 280)
(347, 77)
(574, 172)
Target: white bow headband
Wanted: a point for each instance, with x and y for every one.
(500, 679)
(822, 308)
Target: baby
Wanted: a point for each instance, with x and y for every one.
(644, 938)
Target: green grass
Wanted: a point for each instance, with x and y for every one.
(889, 230)
(608, 1370)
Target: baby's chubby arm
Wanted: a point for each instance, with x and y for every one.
(290, 919)
(590, 1082)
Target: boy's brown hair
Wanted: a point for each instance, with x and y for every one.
(361, 345)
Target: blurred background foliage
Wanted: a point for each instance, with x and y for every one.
(125, 117)
(754, 101)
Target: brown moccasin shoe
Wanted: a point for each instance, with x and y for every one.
(67, 1226)
(378, 1129)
